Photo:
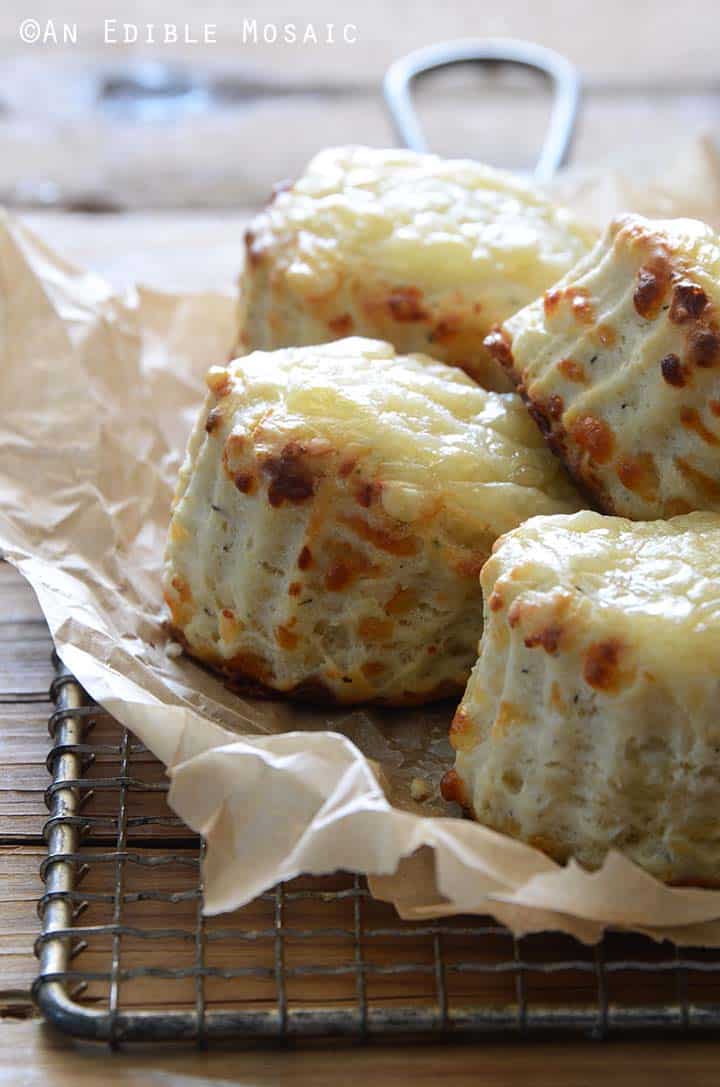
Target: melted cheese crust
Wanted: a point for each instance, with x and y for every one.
(590, 719)
(620, 364)
(333, 512)
(420, 251)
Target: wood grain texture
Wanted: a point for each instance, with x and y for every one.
(201, 162)
(230, 158)
(20, 888)
(633, 42)
(25, 671)
(33, 1056)
(260, 111)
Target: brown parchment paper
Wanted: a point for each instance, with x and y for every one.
(97, 395)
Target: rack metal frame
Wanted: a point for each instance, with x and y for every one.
(72, 835)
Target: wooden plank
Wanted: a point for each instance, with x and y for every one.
(25, 675)
(19, 603)
(24, 745)
(48, 1058)
(25, 669)
(612, 41)
(20, 888)
(25, 643)
(224, 158)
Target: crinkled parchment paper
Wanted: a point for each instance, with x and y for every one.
(97, 395)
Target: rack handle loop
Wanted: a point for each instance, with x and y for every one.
(563, 75)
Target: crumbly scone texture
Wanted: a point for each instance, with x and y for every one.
(414, 249)
(620, 366)
(332, 514)
(590, 721)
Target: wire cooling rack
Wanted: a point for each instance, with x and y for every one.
(126, 954)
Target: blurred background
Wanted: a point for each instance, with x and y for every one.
(105, 123)
(161, 106)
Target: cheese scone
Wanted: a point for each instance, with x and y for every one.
(333, 511)
(422, 252)
(620, 366)
(590, 721)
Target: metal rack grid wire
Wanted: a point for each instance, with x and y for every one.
(127, 955)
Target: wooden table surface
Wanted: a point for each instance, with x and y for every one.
(69, 131)
(67, 139)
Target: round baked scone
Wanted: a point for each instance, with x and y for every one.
(590, 721)
(333, 512)
(620, 366)
(422, 252)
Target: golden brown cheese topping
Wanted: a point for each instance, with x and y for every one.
(620, 366)
(414, 249)
(590, 720)
(333, 513)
